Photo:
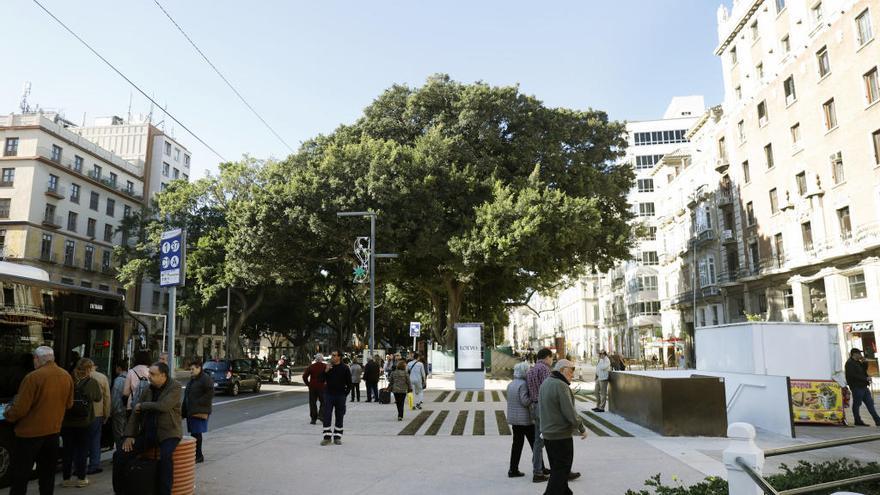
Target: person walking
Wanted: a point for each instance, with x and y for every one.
(603, 372)
(417, 378)
(311, 377)
(117, 404)
(102, 416)
(519, 417)
(155, 421)
(356, 372)
(37, 413)
(371, 378)
(390, 366)
(559, 421)
(400, 385)
(197, 401)
(534, 379)
(77, 423)
(138, 379)
(857, 378)
(337, 385)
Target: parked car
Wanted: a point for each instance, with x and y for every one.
(233, 375)
(264, 369)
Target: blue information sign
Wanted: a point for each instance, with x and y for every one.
(171, 258)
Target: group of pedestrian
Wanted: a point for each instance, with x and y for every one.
(541, 410)
(143, 405)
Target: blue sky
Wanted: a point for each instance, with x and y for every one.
(310, 66)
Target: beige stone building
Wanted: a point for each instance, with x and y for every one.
(62, 199)
(800, 142)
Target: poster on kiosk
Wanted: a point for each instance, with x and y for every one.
(470, 370)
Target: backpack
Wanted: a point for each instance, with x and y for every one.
(82, 405)
(143, 384)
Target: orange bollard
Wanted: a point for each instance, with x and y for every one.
(184, 467)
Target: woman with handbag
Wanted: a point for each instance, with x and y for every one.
(75, 428)
(400, 385)
(197, 404)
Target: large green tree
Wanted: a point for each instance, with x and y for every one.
(485, 192)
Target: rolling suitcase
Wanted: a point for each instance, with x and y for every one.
(385, 396)
(137, 477)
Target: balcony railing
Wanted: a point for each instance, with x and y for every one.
(47, 257)
(53, 221)
(70, 261)
(702, 238)
(724, 197)
(727, 236)
(56, 191)
(729, 277)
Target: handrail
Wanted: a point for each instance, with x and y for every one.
(756, 477)
(821, 445)
(830, 484)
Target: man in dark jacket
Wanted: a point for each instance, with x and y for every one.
(311, 377)
(154, 422)
(197, 403)
(858, 381)
(337, 385)
(371, 378)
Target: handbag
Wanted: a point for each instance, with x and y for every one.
(409, 399)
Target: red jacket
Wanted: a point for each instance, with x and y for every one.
(312, 376)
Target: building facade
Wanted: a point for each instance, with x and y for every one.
(801, 138)
(62, 199)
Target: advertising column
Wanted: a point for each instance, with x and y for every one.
(470, 371)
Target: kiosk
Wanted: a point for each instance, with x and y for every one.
(470, 370)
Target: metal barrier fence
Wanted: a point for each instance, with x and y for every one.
(745, 462)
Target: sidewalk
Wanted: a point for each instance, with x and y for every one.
(459, 443)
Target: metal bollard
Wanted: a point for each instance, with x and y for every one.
(742, 445)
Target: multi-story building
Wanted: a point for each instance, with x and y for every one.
(62, 199)
(802, 138)
(629, 298)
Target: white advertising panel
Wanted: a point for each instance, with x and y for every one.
(469, 347)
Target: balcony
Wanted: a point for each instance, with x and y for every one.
(702, 238)
(56, 191)
(686, 298)
(727, 236)
(728, 278)
(774, 263)
(724, 197)
(52, 221)
(722, 164)
(93, 174)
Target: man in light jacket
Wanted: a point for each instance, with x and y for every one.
(559, 421)
(603, 371)
(417, 377)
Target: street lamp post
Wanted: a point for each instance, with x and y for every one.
(227, 307)
(372, 267)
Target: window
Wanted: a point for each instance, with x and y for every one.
(816, 14)
(77, 164)
(707, 271)
(824, 61)
(741, 130)
(163, 186)
(96, 171)
(807, 235)
(11, 148)
(738, 91)
(647, 283)
(872, 90)
(779, 248)
(4, 207)
(71, 221)
(747, 176)
(754, 30)
(129, 187)
(88, 257)
(185, 177)
(113, 178)
(768, 155)
(750, 213)
(754, 256)
(844, 222)
(801, 181)
(733, 56)
(830, 114)
(796, 135)
(759, 70)
(650, 258)
(643, 162)
(857, 287)
(168, 149)
(126, 211)
(645, 308)
(8, 177)
(837, 168)
(156, 298)
(651, 234)
(864, 33)
(111, 207)
(93, 200)
(645, 185)
(52, 186)
(780, 6)
(762, 113)
(186, 160)
(788, 87)
(90, 227)
(176, 174)
(774, 201)
(785, 44)
(177, 154)
(646, 209)
(67, 280)
(46, 247)
(788, 298)
(74, 193)
(105, 260)
(85, 284)
(166, 169)
(104, 287)
(49, 215)
(56, 153)
(660, 137)
(69, 249)
(875, 138)
(108, 232)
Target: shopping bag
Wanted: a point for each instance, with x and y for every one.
(409, 400)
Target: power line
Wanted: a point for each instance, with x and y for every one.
(172, 117)
(205, 57)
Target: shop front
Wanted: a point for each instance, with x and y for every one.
(860, 335)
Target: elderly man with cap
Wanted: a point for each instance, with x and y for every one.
(312, 378)
(603, 371)
(857, 378)
(559, 422)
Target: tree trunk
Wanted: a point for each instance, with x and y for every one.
(233, 347)
(455, 293)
